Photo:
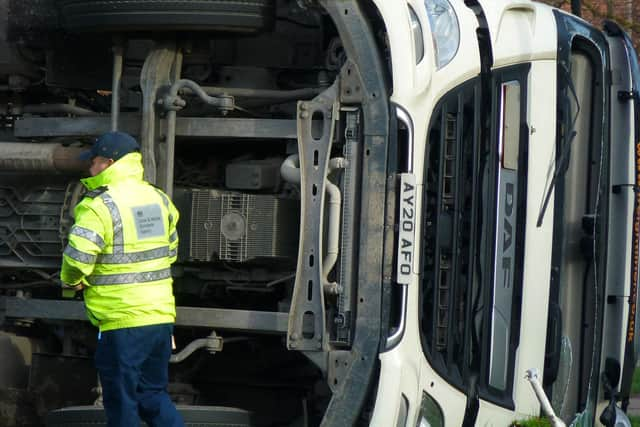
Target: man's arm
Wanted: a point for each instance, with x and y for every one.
(86, 241)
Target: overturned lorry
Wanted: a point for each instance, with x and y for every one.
(391, 211)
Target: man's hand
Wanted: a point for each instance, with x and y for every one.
(77, 288)
(69, 291)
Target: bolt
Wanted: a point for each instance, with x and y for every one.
(295, 336)
(304, 115)
(304, 106)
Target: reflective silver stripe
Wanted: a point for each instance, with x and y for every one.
(116, 219)
(173, 237)
(90, 235)
(80, 256)
(129, 257)
(165, 200)
(173, 252)
(126, 278)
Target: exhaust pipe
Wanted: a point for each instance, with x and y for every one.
(23, 156)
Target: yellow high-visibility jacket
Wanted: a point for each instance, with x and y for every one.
(121, 247)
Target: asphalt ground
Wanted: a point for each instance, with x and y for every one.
(634, 406)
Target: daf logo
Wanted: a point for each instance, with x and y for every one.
(507, 236)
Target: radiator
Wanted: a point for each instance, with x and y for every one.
(236, 227)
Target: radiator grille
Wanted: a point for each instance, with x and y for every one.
(239, 227)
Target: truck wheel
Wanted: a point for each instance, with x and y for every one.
(166, 15)
(200, 416)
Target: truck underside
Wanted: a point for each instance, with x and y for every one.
(267, 124)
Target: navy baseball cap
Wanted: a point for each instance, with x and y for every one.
(112, 145)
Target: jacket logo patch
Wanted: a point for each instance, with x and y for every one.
(148, 220)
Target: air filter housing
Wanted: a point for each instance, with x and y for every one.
(236, 227)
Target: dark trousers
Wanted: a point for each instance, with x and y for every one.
(133, 365)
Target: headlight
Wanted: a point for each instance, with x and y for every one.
(430, 413)
(444, 30)
(418, 38)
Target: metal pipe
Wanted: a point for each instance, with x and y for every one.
(290, 169)
(533, 377)
(173, 102)
(213, 344)
(263, 93)
(115, 86)
(188, 350)
(171, 131)
(334, 201)
(49, 157)
(55, 108)
(98, 390)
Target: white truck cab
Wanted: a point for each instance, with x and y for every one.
(522, 143)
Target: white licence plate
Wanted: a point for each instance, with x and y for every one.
(406, 228)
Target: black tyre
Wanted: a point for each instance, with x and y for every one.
(200, 416)
(166, 15)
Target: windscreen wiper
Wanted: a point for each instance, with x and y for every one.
(562, 165)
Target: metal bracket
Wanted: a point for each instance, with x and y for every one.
(351, 91)
(306, 329)
(339, 365)
(260, 322)
(193, 127)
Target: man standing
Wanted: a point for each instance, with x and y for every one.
(120, 252)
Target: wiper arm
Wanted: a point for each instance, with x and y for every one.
(561, 168)
(562, 164)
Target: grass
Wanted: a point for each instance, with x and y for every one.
(635, 390)
(635, 384)
(534, 422)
